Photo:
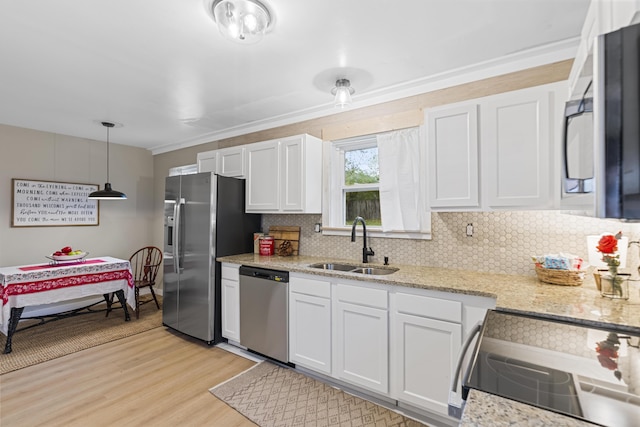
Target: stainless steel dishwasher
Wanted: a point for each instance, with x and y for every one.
(264, 312)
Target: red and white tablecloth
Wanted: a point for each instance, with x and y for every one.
(38, 284)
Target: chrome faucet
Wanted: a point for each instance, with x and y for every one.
(366, 252)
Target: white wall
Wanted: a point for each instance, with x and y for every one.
(124, 225)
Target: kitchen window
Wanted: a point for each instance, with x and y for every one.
(380, 178)
(360, 185)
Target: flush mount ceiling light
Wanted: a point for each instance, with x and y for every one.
(343, 92)
(243, 21)
(108, 193)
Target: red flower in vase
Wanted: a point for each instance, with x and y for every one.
(608, 246)
(608, 243)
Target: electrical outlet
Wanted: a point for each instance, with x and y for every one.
(469, 230)
(317, 227)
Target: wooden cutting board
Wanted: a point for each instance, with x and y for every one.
(281, 233)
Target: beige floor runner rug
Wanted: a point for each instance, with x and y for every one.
(272, 396)
(69, 335)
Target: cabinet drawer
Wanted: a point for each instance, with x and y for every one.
(362, 296)
(318, 288)
(231, 272)
(434, 308)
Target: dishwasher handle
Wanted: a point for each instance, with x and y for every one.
(261, 275)
(265, 274)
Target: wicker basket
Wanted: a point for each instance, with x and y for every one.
(560, 277)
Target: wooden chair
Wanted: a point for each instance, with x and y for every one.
(145, 264)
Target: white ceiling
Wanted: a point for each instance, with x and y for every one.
(162, 69)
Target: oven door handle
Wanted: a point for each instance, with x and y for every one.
(455, 399)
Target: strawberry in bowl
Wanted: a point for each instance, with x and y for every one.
(68, 254)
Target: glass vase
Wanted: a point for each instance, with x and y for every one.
(615, 286)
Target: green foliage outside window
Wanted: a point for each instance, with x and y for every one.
(361, 167)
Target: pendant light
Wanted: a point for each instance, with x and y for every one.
(108, 193)
(342, 92)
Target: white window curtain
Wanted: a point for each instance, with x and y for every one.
(399, 162)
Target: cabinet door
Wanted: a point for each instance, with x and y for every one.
(517, 136)
(310, 332)
(262, 186)
(292, 179)
(362, 346)
(207, 161)
(427, 352)
(230, 294)
(230, 162)
(453, 156)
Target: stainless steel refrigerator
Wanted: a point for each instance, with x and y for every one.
(204, 218)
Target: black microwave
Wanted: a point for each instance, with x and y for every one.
(602, 134)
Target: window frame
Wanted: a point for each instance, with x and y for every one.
(353, 144)
(334, 203)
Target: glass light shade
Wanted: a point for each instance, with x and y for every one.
(243, 21)
(343, 97)
(342, 92)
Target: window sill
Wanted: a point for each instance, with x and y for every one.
(376, 232)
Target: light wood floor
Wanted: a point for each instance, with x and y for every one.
(157, 378)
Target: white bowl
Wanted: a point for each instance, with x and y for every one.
(68, 257)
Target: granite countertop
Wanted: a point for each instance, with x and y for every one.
(494, 411)
(523, 294)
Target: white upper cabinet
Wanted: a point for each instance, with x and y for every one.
(496, 152)
(603, 16)
(517, 141)
(453, 156)
(207, 161)
(226, 161)
(284, 176)
(263, 183)
(230, 162)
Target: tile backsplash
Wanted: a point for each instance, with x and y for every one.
(502, 242)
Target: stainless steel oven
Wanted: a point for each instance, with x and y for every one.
(580, 371)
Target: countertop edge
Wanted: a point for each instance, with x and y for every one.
(513, 293)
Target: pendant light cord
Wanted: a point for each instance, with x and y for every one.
(108, 154)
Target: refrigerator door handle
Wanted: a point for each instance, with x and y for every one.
(177, 208)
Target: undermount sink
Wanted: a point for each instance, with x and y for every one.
(332, 266)
(374, 271)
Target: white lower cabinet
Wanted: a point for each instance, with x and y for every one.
(310, 323)
(230, 297)
(361, 331)
(427, 331)
(396, 342)
(426, 353)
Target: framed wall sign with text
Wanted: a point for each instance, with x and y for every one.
(51, 204)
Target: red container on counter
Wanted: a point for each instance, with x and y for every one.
(267, 245)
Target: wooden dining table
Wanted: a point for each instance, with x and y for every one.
(48, 283)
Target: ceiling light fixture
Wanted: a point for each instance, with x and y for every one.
(108, 193)
(243, 21)
(343, 92)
